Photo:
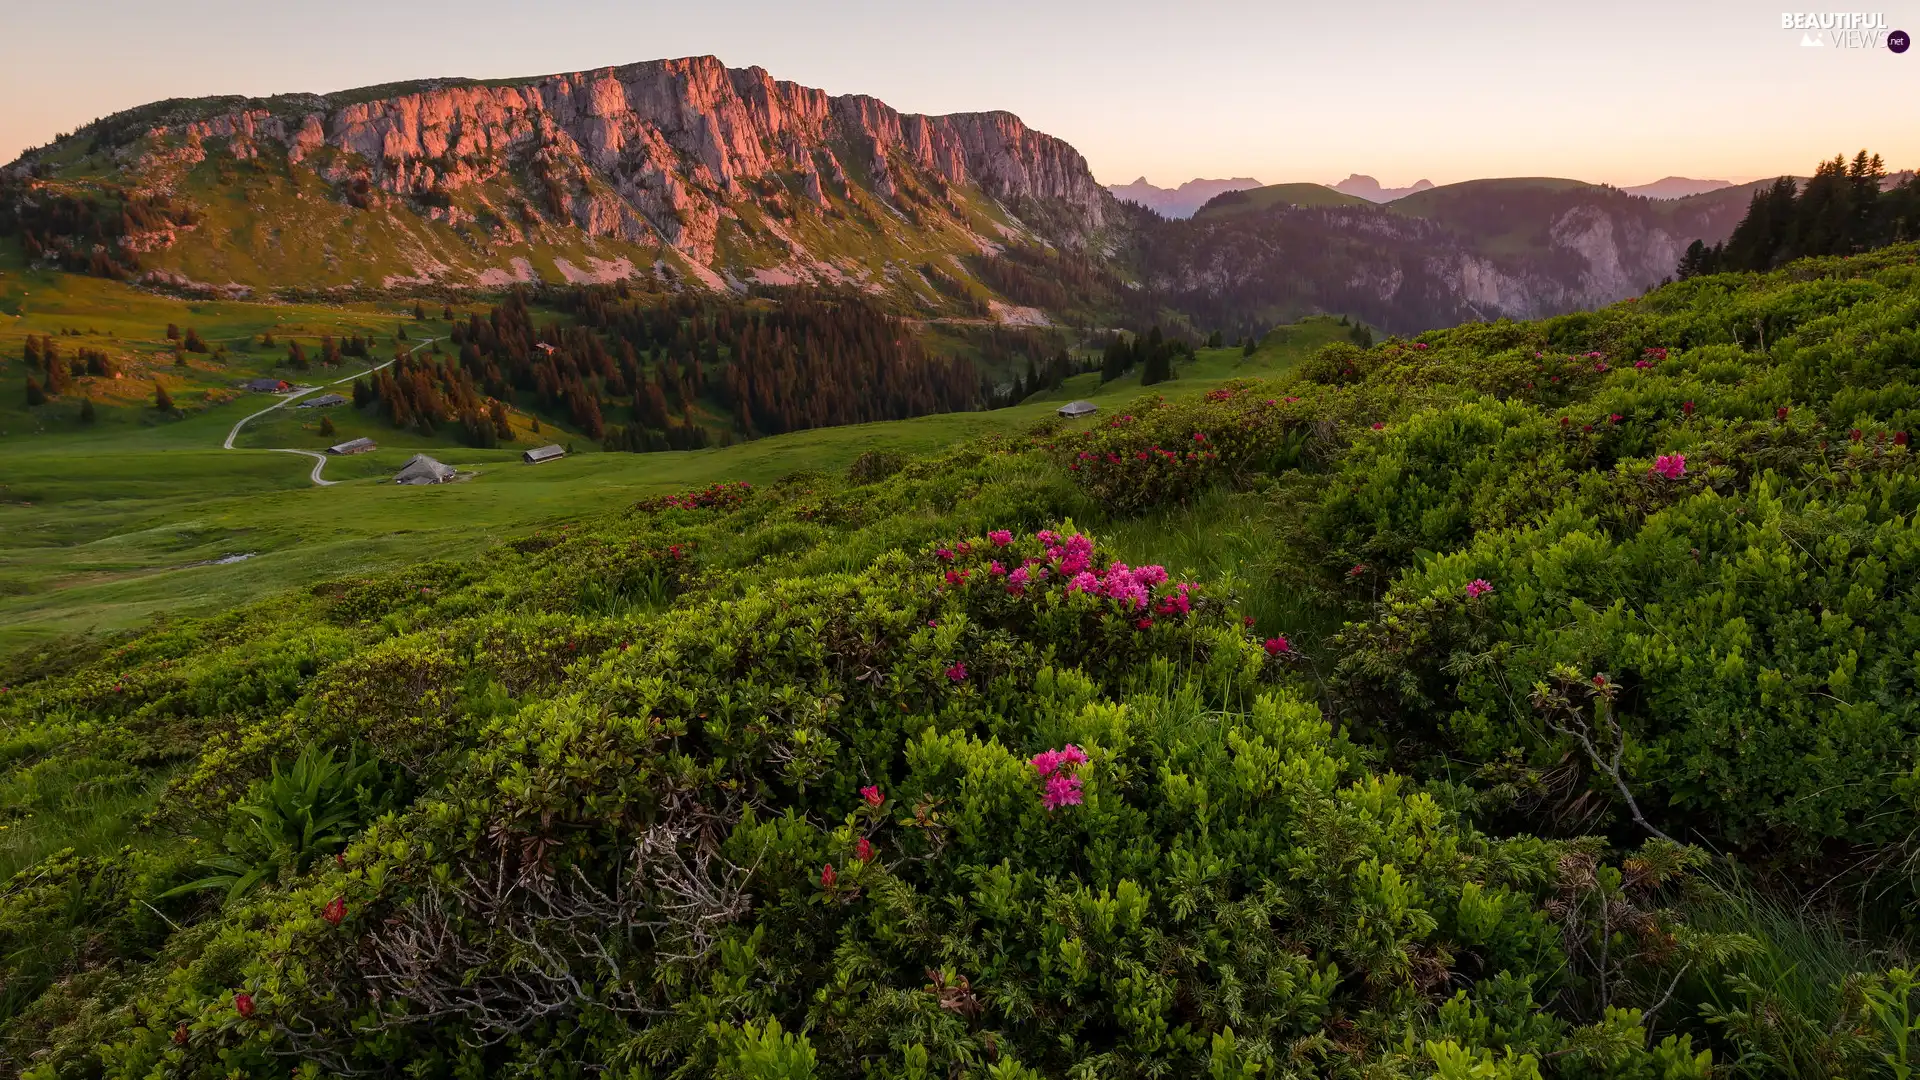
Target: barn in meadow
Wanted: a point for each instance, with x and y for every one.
(421, 469)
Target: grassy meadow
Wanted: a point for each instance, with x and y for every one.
(113, 524)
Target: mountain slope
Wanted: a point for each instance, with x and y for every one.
(723, 174)
(1676, 187)
(1521, 247)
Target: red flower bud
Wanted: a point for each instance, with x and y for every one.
(243, 1004)
(335, 911)
(863, 849)
(828, 877)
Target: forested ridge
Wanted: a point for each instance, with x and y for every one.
(1521, 700)
(651, 372)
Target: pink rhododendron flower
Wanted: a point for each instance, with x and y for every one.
(1377, 425)
(1003, 537)
(1019, 577)
(1084, 582)
(863, 849)
(944, 553)
(872, 794)
(335, 911)
(1144, 624)
(1062, 790)
(996, 569)
(243, 1004)
(1047, 536)
(1671, 466)
(1277, 645)
(1780, 413)
(957, 672)
(1478, 588)
(1643, 363)
(828, 876)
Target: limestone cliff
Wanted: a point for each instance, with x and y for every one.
(660, 153)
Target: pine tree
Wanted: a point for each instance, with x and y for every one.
(446, 312)
(418, 311)
(326, 427)
(161, 400)
(173, 332)
(193, 342)
(36, 394)
(86, 410)
(59, 376)
(1250, 345)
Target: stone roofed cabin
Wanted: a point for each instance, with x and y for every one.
(266, 385)
(544, 453)
(1078, 408)
(421, 469)
(324, 401)
(352, 446)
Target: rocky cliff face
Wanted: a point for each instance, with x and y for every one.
(659, 153)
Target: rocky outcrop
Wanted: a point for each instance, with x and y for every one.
(651, 150)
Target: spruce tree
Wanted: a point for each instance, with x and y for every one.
(161, 400)
(326, 427)
(86, 410)
(36, 394)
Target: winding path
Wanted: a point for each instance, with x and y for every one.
(319, 458)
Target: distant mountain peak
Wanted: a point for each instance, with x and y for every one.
(1366, 187)
(1676, 187)
(1180, 202)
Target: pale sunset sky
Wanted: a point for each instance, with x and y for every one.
(1622, 92)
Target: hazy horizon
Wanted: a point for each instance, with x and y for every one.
(1401, 92)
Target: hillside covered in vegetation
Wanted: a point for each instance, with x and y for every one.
(1523, 700)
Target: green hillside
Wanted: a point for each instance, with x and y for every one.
(1525, 700)
(1250, 200)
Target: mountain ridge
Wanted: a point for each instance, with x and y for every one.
(706, 164)
(1183, 201)
(1369, 189)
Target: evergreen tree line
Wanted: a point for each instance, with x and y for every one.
(331, 352)
(1043, 375)
(671, 366)
(49, 374)
(427, 394)
(1841, 211)
(1153, 353)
